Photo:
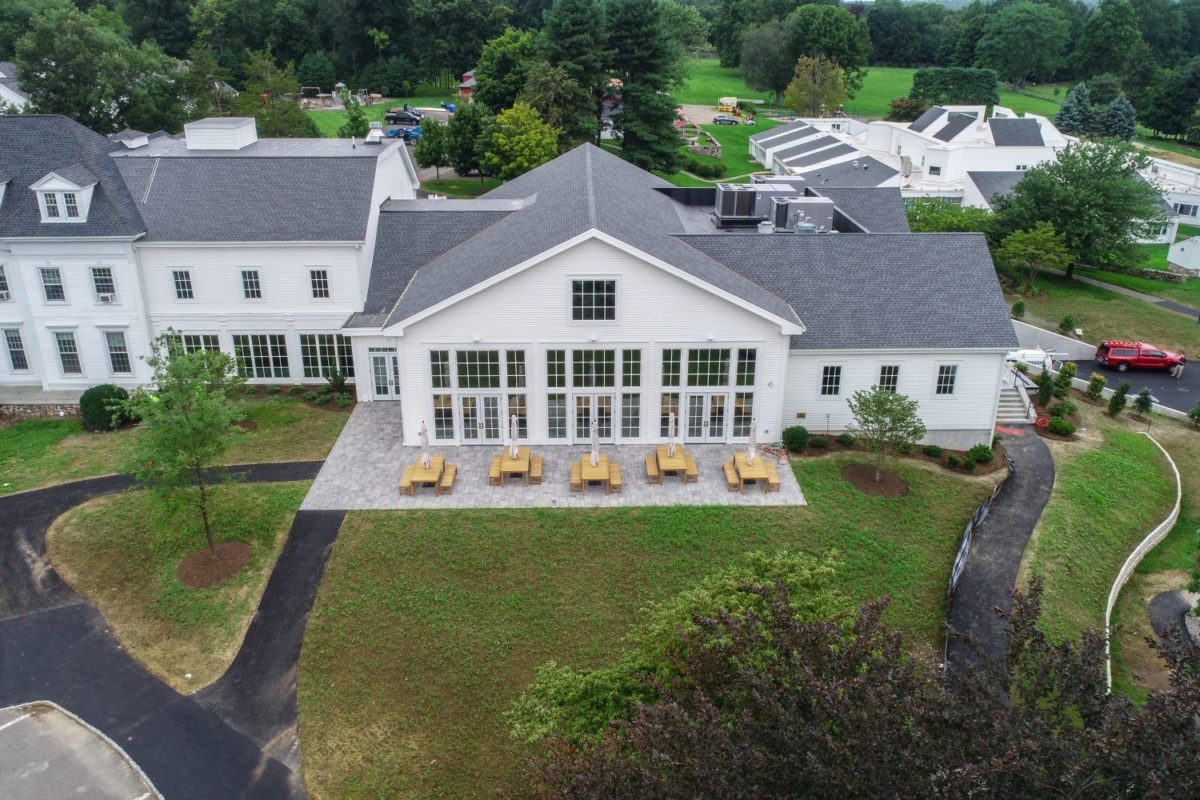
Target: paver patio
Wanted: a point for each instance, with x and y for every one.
(363, 470)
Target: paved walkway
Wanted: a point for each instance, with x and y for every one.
(56, 646)
(1169, 305)
(998, 543)
(363, 470)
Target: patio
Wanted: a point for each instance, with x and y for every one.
(364, 469)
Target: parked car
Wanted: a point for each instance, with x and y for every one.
(412, 134)
(401, 117)
(410, 108)
(724, 119)
(1122, 355)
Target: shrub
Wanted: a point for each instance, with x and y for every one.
(272, 389)
(905, 109)
(968, 464)
(1022, 368)
(295, 390)
(1061, 426)
(1067, 324)
(1096, 384)
(1045, 388)
(981, 454)
(795, 438)
(706, 169)
(932, 450)
(818, 443)
(996, 440)
(1194, 415)
(1143, 402)
(953, 461)
(336, 381)
(1018, 309)
(98, 407)
(1062, 381)
(1116, 403)
(311, 396)
(845, 439)
(322, 399)
(1063, 409)
(904, 448)
(342, 400)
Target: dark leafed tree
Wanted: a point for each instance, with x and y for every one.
(450, 34)
(1110, 37)
(316, 69)
(502, 68)
(270, 96)
(1163, 28)
(1024, 41)
(575, 40)
(833, 33)
(767, 62)
(554, 94)
(165, 22)
(648, 62)
(467, 136)
(1168, 104)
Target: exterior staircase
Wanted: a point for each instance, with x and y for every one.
(1012, 409)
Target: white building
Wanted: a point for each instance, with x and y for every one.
(11, 94)
(584, 289)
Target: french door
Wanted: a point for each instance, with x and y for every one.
(707, 417)
(480, 416)
(599, 406)
(385, 376)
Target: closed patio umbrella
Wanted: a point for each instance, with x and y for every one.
(752, 446)
(512, 436)
(595, 442)
(671, 435)
(424, 446)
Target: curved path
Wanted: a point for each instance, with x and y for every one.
(235, 739)
(997, 545)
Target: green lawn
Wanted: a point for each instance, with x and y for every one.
(461, 187)
(429, 624)
(38, 453)
(121, 552)
(735, 153)
(1187, 292)
(1109, 492)
(708, 80)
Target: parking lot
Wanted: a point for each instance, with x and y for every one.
(46, 754)
(1181, 395)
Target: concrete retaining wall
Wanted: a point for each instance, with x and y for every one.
(1031, 336)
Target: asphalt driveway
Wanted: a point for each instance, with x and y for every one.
(1181, 395)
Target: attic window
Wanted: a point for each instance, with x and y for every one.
(72, 204)
(62, 206)
(51, 201)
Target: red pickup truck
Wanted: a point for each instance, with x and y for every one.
(1123, 355)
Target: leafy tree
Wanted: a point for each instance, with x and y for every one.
(289, 31)
(956, 86)
(885, 421)
(519, 141)
(231, 28)
(381, 40)
(767, 64)
(188, 420)
(395, 77)
(818, 87)
(16, 19)
(316, 69)
(906, 34)
(1161, 24)
(1170, 101)
(1075, 114)
(941, 216)
(1104, 88)
(165, 22)
(905, 109)
(450, 34)
(1141, 73)
(356, 123)
(686, 25)
(1119, 119)
(1040, 247)
(432, 149)
(203, 84)
(649, 63)
(72, 63)
(503, 67)
(1023, 41)
(833, 33)
(1194, 415)
(575, 39)
(1190, 9)
(270, 97)
(962, 33)
(553, 92)
(467, 137)
(1093, 196)
(1109, 40)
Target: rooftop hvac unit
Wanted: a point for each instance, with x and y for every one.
(735, 202)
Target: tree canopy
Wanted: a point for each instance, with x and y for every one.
(818, 87)
(1024, 41)
(518, 141)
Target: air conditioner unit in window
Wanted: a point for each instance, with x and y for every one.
(4, 296)
(106, 297)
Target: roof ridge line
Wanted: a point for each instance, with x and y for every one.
(590, 190)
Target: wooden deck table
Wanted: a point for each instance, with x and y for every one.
(514, 466)
(430, 476)
(751, 472)
(676, 463)
(598, 473)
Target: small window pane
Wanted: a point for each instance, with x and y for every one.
(51, 205)
(668, 406)
(556, 405)
(201, 343)
(53, 285)
(708, 367)
(320, 282)
(517, 405)
(593, 368)
(16, 350)
(556, 369)
(478, 369)
(251, 288)
(831, 380)
(592, 300)
(443, 416)
(516, 369)
(743, 413)
(631, 368)
(183, 284)
(439, 368)
(670, 367)
(72, 205)
(746, 367)
(947, 375)
(102, 280)
(68, 353)
(118, 352)
(889, 377)
(631, 416)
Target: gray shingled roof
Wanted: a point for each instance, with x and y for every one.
(804, 147)
(928, 118)
(794, 125)
(239, 199)
(817, 157)
(958, 122)
(877, 291)
(8, 77)
(1016, 132)
(34, 145)
(994, 184)
(77, 174)
(868, 172)
(583, 189)
(879, 210)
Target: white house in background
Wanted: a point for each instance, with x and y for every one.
(258, 247)
(10, 87)
(1186, 254)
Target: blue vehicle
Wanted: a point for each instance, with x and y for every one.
(449, 107)
(412, 134)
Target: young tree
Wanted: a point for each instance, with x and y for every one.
(885, 421)
(518, 141)
(432, 149)
(1194, 415)
(941, 216)
(1144, 402)
(503, 67)
(1119, 399)
(767, 64)
(356, 123)
(834, 33)
(1075, 114)
(466, 138)
(380, 39)
(1024, 40)
(188, 420)
(817, 89)
(1040, 247)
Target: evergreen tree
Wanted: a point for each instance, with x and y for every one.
(575, 40)
(1075, 114)
(1119, 119)
(551, 91)
(316, 69)
(270, 97)
(203, 80)
(648, 62)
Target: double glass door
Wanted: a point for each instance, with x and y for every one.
(707, 417)
(480, 415)
(599, 406)
(385, 376)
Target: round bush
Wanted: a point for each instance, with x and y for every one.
(818, 442)
(845, 439)
(1061, 426)
(342, 400)
(795, 438)
(94, 407)
(981, 454)
(1063, 409)
(932, 450)
(953, 461)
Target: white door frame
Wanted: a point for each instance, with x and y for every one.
(583, 435)
(389, 387)
(713, 409)
(475, 424)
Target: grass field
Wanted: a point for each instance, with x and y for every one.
(1110, 490)
(429, 624)
(1187, 292)
(121, 552)
(461, 187)
(38, 453)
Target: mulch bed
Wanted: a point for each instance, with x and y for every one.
(862, 476)
(247, 424)
(917, 454)
(206, 568)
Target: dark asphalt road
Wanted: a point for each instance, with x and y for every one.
(56, 646)
(1181, 395)
(997, 545)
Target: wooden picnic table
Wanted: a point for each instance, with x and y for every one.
(598, 473)
(676, 463)
(750, 472)
(430, 475)
(514, 466)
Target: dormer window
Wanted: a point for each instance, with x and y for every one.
(65, 195)
(72, 204)
(50, 201)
